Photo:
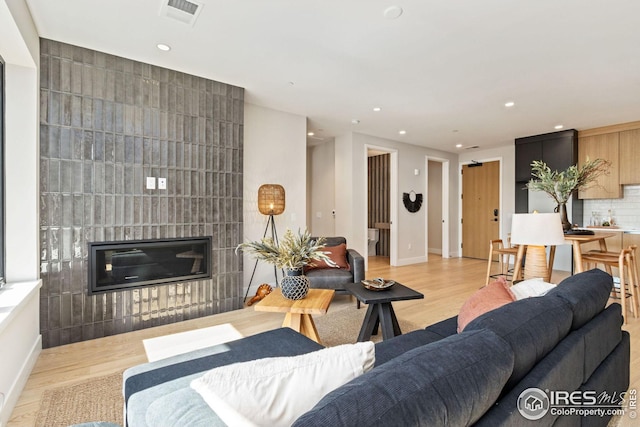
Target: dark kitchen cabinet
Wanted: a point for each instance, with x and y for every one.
(558, 150)
(526, 153)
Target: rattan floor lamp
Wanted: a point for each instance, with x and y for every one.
(271, 202)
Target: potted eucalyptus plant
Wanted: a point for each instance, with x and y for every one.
(291, 254)
(560, 185)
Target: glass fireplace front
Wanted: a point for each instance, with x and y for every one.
(135, 263)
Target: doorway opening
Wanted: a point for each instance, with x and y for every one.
(381, 211)
(437, 208)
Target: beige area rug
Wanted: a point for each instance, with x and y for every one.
(98, 399)
(343, 326)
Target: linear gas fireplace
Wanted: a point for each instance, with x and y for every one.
(134, 263)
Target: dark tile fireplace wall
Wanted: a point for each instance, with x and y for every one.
(107, 123)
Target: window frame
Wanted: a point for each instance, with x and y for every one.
(2, 173)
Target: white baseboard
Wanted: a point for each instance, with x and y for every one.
(11, 399)
(409, 261)
(437, 251)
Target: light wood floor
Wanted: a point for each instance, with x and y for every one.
(445, 283)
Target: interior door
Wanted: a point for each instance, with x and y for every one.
(480, 208)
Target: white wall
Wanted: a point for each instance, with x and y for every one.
(322, 185)
(19, 333)
(275, 152)
(346, 200)
(351, 193)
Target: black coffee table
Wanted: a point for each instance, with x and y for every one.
(380, 312)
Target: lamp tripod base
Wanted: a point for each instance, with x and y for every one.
(274, 235)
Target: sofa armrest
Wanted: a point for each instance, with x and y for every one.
(356, 262)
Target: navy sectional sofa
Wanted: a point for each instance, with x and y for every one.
(566, 341)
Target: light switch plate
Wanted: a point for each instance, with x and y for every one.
(162, 183)
(151, 183)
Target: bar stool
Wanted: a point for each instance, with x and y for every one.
(496, 247)
(625, 261)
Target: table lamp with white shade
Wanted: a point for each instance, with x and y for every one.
(535, 231)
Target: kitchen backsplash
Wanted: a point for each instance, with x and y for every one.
(625, 211)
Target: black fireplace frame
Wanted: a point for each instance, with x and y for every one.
(98, 248)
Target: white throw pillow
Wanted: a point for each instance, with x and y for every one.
(531, 288)
(275, 391)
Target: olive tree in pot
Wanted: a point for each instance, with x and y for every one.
(291, 254)
(560, 185)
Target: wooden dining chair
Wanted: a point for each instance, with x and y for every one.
(497, 247)
(625, 262)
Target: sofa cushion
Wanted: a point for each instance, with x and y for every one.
(615, 386)
(601, 336)
(276, 391)
(488, 298)
(532, 327)
(337, 255)
(394, 347)
(180, 407)
(445, 327)
(561, 369)
(587, 293)
(450, 382)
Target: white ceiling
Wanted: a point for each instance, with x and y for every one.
(442, 71)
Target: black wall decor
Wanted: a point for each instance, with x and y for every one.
(412, 201)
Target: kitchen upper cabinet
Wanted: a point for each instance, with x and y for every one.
(630, 157)
(558, 150)
(603, 146)
(526, 153)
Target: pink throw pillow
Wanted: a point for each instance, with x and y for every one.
(494, 295)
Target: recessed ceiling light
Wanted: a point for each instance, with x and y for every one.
(402, 132)
(310, 133)
(392, 12)
(458, 145)
(509, 104)
(377, 109)
(163, 47)
(355, 121)
(558, 127)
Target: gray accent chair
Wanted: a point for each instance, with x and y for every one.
(335, 278)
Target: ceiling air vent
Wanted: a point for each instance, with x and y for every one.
(185, 11)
